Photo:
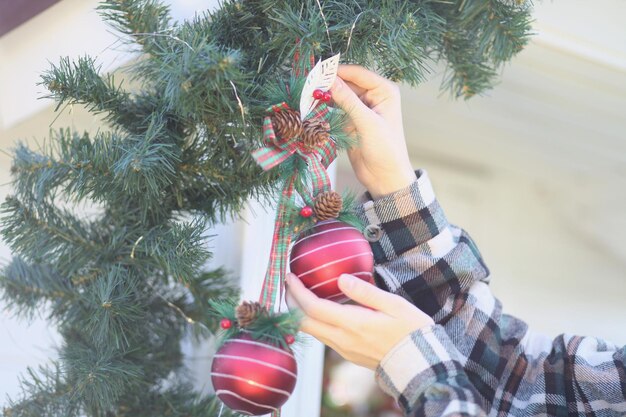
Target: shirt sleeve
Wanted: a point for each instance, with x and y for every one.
(423, 372)
(435, 265)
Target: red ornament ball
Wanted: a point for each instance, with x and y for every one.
(290, 339)
(253, 377)
(226, 324)
(306, 211)
(331, 248)
(327, 97)
(318, 94)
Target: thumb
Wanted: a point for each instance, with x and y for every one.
(348, 101)
(368, 294)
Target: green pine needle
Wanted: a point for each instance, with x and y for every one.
(270, 328)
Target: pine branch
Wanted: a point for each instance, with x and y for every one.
(217, 174)
(46, 232)
(70, 161)
(141, 167)
(139, 19)
(243, 26)
(177, 401)
(79, 82)
(112, 308)
(99, 376)
(26, 287)
(179, 249)
(37, 175)
(194, 76)
(509, 32)
(146, 164)
(110, 168)
(202, 287)
(44, 394)
(478, 39)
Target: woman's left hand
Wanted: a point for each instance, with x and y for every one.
(363, 333)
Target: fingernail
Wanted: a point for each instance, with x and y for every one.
(347, 280)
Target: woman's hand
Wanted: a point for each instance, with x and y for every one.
(380, 161)
(364, 333)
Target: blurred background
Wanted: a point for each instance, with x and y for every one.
(535, 171)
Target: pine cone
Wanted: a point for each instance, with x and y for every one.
(247, 312)
(287, 124)
(328, 205)
(315, 132)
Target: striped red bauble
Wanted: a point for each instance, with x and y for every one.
(253, 377)
(329, 249)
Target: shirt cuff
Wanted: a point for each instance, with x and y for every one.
(400, 221)
(422, 358)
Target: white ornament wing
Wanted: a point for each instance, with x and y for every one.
(322, 77)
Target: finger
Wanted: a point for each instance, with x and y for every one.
(355, 156)
(359, 91)
(324, 332)
(362, 77)
(291, 302)
(371, 296)
(348, 101)
(339, 340)
(326, 311)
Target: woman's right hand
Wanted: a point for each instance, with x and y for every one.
(362, 333)
(380, 160)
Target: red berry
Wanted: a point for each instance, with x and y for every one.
(318, 94)
(226, 324)
(306, 211)
(327, 97)
(289, 338)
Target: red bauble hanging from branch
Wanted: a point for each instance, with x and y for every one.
(254, 370)
(329, 249)
(253, 377)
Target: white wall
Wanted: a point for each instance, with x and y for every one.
(536, 172)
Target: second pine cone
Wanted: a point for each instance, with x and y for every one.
(328, 205)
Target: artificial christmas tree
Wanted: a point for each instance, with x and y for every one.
(123, 286)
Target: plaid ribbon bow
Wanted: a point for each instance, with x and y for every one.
(276, 151)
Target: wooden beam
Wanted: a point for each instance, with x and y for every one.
(15, 12)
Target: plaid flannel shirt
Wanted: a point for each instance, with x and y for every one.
(475, 360)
